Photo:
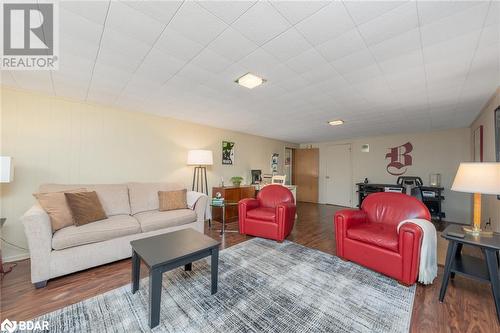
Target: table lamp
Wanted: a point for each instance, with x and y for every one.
(477, 178)
(200, 159)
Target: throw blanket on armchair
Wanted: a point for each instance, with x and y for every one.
(192, 197)
(428, 251)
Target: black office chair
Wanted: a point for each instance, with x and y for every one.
(412, 186)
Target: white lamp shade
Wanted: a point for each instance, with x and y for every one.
(481, 178)
(6, 169)
(200, 157)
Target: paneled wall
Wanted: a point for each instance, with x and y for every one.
(64, 141)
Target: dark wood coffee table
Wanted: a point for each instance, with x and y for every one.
(165, 252)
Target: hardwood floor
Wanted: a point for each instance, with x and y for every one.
(468, 305)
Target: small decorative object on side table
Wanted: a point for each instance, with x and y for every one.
(165, 252)
(222, 204)
(472, 267)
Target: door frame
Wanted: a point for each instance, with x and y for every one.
(351, 177)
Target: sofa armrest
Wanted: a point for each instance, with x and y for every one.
(285, 215)
(200, 207)
(343, 220)
(244, 206)
(410, 240)
(38, 230)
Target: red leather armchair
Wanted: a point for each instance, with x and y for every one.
(369, 236)
(270, 215)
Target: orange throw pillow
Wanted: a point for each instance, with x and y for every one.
(170, 200)
(85, 207)
(54, 203)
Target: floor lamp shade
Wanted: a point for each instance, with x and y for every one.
(200, 159)
(477, 178)
(6, 169)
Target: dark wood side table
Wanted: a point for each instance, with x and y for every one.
(165, 252)
(486, 270)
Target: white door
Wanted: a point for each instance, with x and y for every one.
(338, 176)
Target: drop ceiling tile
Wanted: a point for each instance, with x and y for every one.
(364, 11)
(34, 80)
(329, 22)
(431, 11)
(94, 11)
(306, 61)
(320, 73)
(353, 62)
(401, 19)
(7, 79)
(131, 22)
(178, 46)
(109, 78)
(493, 17)
(189, 20)
(261, 23)
(455, 25)
(360, 75)
(402, 62)
(195, 75)
(162, 11)
(258, 62)
(287, 45)
(159, 66)
(348, 43)
(211, 61)
(65, 87)
(232, 45)
(227, 11)
(393, 47)
(78, 33)
(459, 48)
(296, 11)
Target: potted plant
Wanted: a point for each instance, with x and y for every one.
(236, 180)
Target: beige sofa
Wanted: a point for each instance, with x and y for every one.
(132, 211)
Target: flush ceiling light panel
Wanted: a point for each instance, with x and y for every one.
(336, 122)
(250, 81)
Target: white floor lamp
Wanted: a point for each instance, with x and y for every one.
(200, 159)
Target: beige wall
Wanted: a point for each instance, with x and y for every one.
(491, 205)
(433, 152)
(64, 141)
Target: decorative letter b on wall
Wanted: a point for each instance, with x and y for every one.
(400, 159)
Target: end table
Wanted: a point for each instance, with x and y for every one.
(485, 270)
(2, 271)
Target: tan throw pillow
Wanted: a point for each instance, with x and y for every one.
(85, 207)
(54, 203)
(170, 200)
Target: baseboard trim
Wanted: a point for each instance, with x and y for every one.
(17, 257)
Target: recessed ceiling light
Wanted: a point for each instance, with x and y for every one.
(250, 81)
(336, 122)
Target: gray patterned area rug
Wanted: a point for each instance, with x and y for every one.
(264, 286)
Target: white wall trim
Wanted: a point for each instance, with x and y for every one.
(17, 257)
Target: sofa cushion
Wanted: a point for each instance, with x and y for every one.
(144, 196)
(154, 220)
(113, 197)
(262, 213)
(112, 227)
(378, 234)
(85, 207)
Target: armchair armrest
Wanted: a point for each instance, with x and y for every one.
(410, 240)
(285, 216)
(244, 206)
(38, 231)
(343, 220)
